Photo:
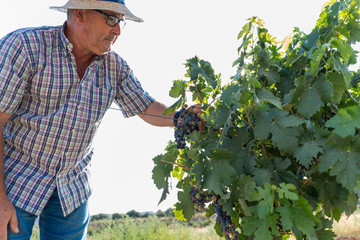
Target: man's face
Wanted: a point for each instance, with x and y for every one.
(98, 35)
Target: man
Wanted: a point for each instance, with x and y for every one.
(55, 85)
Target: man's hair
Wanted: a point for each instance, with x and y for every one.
(70, 13)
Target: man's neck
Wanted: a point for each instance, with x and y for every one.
(83, 58)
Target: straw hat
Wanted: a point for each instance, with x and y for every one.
(117, 6)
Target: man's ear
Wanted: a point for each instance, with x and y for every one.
(80, 15)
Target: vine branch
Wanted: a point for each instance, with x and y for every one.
(176, 164)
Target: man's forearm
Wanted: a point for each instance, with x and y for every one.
(154, 115)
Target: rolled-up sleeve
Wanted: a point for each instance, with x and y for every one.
(131, 97)
(14, 72)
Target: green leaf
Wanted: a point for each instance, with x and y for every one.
(265, 196)
(325, 234)
(219, 153)
(348, 170)
(260, 227)
(247, 187)
(222, 115)
(267, 97)
(231, 94)
(263, 233)
(340, 67)
(178, 89)
(161, 171)
(271, 74)
(299, 214)
(245, 30)
(284, 120)
(309, 102)
(324, 88)
(175, 106)
(311, 39)
(343, 160)
(316, 58)
(287, 191)
(184, 198)
(354, 28)
(279, 124)
(203, 68)
(346, 121)
(329, 193)
(178, 212)
(286, 217)
(339, 85)
(262, 176)
(223, 119)
(345, 50)
(307, 152)
(219, 176)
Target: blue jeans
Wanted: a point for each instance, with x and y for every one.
(52, 223)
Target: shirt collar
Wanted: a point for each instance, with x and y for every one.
(66, 44)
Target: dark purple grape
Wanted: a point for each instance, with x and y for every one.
(187, 123)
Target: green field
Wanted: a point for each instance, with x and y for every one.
(167, 228)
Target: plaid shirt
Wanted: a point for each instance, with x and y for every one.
(55, 115)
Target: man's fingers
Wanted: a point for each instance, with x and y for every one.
(3, 232)
(14, 224)
(197, 109)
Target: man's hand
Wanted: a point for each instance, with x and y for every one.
(198, 111)
(7, 216)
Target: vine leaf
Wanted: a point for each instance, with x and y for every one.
(343, 160)
(161, 171)
(298, 213)
(219, 175)
(309, 94)
(267, 97)
(287, 191)
(185, 203)
(265, 196)
(307, 152)
(178, 89)
(204, 70)
(345, 50)
(339, 85)
(280, 125)
(346, 121)
(309, 102)
(260, 227)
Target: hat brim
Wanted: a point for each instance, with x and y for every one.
(101, 5)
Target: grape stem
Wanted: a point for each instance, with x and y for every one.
(198, 93)
(176, 164)
(248, 121)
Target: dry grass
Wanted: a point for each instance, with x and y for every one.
(348, 228)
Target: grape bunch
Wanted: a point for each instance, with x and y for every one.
(201, 198)
(187, 123)
(227, 226)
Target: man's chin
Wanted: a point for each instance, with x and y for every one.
(103, 52)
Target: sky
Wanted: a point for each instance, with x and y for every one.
(173, 31)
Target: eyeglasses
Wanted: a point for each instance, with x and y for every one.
(112, 20)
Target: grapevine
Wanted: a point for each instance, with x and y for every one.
(279, 155)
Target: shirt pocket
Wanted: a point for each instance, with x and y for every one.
(93, 104)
